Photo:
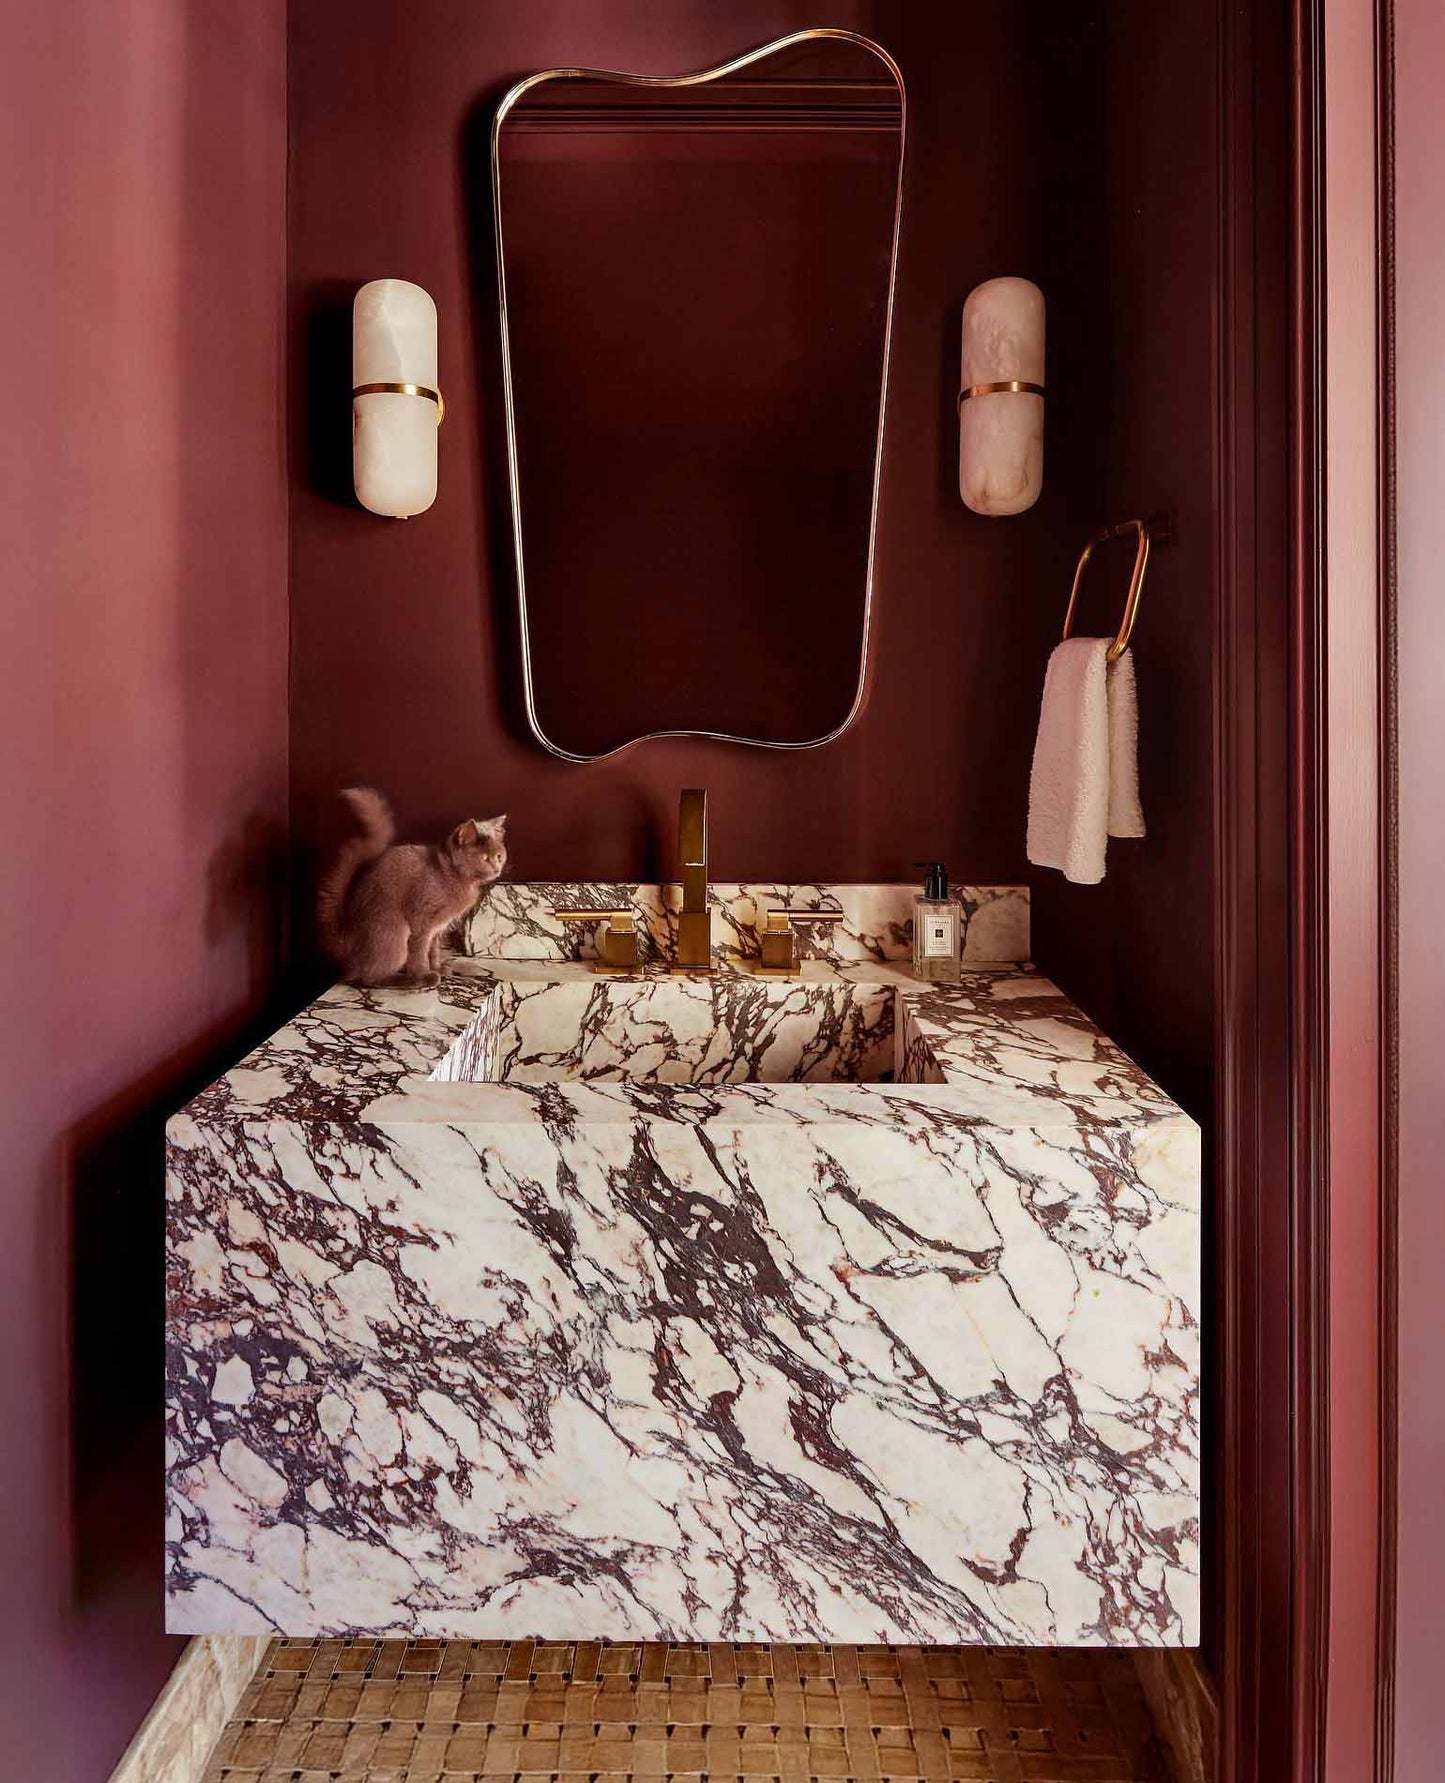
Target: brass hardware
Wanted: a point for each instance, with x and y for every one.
(616, 936)
(778, 940)
(405, 390)
(816, 33)
(1015, 386)
(1136, 582)
(694, 922)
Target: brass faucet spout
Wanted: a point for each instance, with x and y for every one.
(692, 840)
(694, 924)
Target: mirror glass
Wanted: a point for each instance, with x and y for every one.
(696, 284)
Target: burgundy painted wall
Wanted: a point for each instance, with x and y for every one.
(142, 772)
(1420, 515)
(1137, 950)
(1155, 429)
(404, 654)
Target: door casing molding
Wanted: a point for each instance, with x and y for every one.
(1304, 831)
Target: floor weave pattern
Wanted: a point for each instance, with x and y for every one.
(532, 1712)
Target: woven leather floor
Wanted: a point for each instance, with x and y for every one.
(448, 1711)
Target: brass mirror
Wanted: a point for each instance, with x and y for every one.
(696, 289)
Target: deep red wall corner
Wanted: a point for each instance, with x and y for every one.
(143, 800)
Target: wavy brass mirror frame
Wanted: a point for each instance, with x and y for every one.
(513, 466)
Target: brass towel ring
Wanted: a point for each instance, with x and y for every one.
(1136, 582)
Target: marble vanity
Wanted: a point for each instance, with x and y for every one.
(547, 1302)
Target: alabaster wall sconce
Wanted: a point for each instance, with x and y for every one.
(1001, 397)
(396, 407)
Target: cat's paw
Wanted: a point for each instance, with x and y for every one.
(428, 981)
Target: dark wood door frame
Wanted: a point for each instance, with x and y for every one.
(1303, 1265)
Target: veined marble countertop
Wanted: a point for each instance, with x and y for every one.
(595, 1356)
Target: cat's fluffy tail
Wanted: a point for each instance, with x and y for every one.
(373, 814)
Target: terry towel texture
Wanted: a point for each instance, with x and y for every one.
(1085, 782)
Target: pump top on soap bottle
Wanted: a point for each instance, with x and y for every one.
(937, 929)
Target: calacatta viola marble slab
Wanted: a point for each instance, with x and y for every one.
(616, 1346)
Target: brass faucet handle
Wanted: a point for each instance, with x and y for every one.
(616, 936)
(778, 940)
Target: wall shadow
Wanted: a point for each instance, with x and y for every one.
(494, 508)
(321, 389)
(110, 1170)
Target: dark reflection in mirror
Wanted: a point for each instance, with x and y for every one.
(697, 287)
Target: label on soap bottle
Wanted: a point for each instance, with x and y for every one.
(937, 937)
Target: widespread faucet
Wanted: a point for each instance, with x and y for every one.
(694, 923)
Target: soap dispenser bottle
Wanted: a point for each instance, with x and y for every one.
(937, 930)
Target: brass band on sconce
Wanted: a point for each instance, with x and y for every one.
(1136, 582)
(1014, 387)
(405, 390)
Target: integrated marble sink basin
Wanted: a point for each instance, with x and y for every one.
(848, 1309)
(656, 1027)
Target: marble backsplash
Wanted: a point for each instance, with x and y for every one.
(515, 920)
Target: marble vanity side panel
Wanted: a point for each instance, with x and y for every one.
(515, 920)
(879, 1374)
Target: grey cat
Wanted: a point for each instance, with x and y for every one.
(383, 910)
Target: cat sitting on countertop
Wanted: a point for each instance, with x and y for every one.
(382, 909)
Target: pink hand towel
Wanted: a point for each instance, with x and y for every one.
(1085, 782)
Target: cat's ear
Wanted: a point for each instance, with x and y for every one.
(495, 827)
(466, 835)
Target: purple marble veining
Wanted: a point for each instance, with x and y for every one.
(546, 1304)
